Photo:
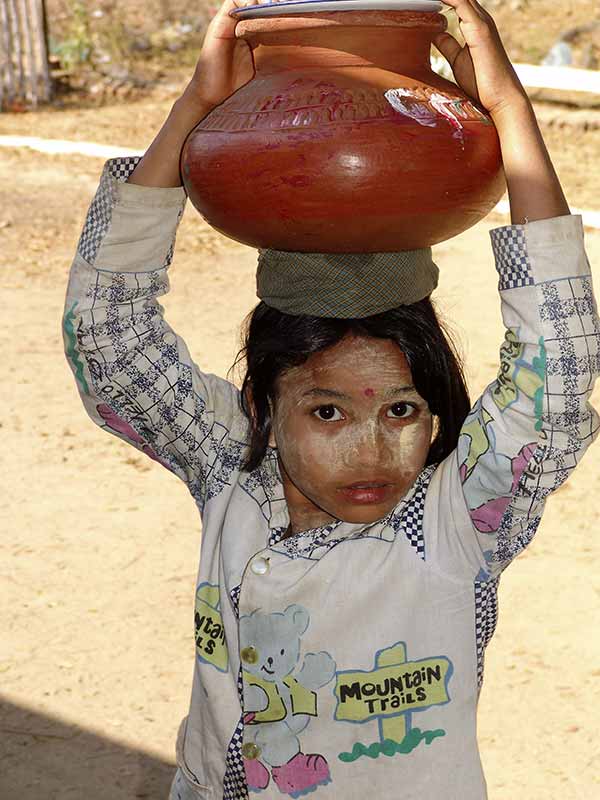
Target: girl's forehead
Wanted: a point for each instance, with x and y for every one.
(365, 364)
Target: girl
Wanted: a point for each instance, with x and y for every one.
(356, 513)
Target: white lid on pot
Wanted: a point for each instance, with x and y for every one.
(277, 9)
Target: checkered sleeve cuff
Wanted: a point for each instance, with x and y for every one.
(509, 246)
(540, 251)
(121, 168)
(127, 223)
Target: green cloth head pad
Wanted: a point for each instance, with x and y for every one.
(344, 285)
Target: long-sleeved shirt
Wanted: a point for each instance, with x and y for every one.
(345, 660)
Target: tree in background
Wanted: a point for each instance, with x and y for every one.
(24, 70)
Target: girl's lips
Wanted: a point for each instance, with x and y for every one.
(366, 493)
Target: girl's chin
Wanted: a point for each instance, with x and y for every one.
(366, 518)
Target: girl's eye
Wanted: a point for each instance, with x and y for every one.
(328, 413)
(401, 411)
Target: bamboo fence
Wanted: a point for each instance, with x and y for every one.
(24, 70)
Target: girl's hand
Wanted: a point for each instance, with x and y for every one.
(225, 63)
(481, 68)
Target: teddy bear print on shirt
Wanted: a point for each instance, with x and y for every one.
(278, 705)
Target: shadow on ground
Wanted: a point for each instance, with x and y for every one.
(42, 758)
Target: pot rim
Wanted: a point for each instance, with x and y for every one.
(418, 21)
(286, 7)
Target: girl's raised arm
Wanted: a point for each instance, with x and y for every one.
(134, 374)
(225, 65)
(483, 69)
(531, 427)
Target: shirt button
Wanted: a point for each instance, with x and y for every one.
(249, 655)
(260, 566)
(250, 750)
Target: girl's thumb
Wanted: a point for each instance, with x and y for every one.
(448, 46)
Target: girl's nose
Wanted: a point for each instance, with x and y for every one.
(369, 446)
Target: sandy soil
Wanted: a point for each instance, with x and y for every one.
(99, 545)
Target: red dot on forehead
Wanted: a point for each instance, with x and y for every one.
(369, 392)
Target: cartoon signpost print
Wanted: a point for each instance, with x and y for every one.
(389, 694)
(211, 646)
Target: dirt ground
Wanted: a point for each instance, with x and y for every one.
(99, 546)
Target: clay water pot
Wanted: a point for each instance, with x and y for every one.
(316, 154)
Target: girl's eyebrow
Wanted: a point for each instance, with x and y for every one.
(321, 392)
(397, 390)
(316, 390)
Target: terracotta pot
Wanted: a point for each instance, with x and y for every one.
(313, 155)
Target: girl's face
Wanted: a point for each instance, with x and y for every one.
(352, 433)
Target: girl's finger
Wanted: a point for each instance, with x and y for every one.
(469, 11)
(233, 4)
(448, 47)
(222, 12)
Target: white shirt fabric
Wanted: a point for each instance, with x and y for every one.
(344, 661)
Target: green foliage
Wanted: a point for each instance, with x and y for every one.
(90, 37)
(76, 46)
(112, 38)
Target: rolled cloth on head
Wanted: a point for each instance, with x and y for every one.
(344, 285)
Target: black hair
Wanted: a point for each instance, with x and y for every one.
(274, 342)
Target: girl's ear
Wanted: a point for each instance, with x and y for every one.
(272, 439)
(249, 402)
(248, 396)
